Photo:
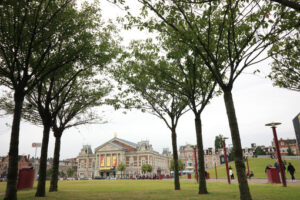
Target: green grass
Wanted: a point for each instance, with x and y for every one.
(257, 165)
(156, 190)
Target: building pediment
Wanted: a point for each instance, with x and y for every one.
(108, 146)
(116, 144)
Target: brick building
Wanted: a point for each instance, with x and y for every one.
(23, 161)
(186, 154)
(105, 159)
(284, 144)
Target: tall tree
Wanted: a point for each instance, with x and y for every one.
(186, 76)
(139, 70)
(31, 35)
(229, 36)
(90, 49)
(75, 109)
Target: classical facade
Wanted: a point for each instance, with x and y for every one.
(104, 160)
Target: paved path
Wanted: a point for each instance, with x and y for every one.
(254, 180)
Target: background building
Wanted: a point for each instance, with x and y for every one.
(186, 155)
(23, 161)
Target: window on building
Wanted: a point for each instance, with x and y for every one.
(131, 161)
(143, 162)
(82, 165)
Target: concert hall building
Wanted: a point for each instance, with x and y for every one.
(104, 160)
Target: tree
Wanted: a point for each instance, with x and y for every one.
(259, 151)
(70, 172)
(286, 65)
(291, 4)
(145, 90)
(76, 109)
(146, 168)
(186, 76)
(121, 167)
(62, 174)
(218, 142)
(92, 49)
(229, 36)
(180, 165)
(31, 39)
(49, 172)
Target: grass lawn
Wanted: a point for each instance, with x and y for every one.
(156, 189)
(257, 165)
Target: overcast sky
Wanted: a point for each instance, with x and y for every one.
(257, 102)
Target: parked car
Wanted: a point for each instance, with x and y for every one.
(70, 179)
(83, 178)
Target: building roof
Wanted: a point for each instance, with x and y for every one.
(126, 142)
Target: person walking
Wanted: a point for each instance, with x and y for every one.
(292, 170)
(231, 172)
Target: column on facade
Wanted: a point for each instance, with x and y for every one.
(110, 160)
(117, 158)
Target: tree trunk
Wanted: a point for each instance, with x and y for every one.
(175, 158)
(55, 167)
(41, 188)
(11, 186)
(237, 147)
(201, 168)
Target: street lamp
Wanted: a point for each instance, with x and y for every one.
(273, 126)
(225, 157)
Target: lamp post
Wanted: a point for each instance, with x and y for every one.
(273, 126)
(225, 157)
(196, 164)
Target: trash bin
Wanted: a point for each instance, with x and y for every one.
(26, 178)
(207, 175)
(273, 175)
(189, 176)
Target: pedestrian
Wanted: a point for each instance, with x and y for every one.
(276, 164)
(292, 170)
(231, 172)
(251, 174)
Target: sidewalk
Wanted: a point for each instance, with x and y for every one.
(254, 180)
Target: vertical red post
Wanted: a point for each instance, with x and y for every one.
(216, 171)
(248, 167)
(226, 161)
(196, 164)
(279, 156)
